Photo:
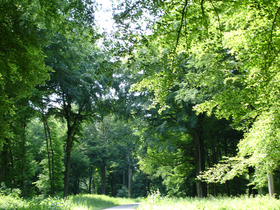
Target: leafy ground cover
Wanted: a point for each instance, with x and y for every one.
(156, 202)
(78, 202)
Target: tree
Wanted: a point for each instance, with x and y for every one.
(74, 87)
(50, 179)
(21, 62)
(244, 88)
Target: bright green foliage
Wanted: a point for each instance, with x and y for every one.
(79, 202)
(234, 47)
(55, 156)
(156, 201)
(111, 143)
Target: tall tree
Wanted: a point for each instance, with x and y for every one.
(244, 88)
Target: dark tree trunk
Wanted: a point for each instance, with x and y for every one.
(4, 161)
(112, 184)
(48, 153)
(194, 191)
(90, 179)
(67, 165)
(123, 178)
(252, 191)
(129, 182)
(200, 163)
(23, 162)
(103, 178)
(52, 159)
(71, 128)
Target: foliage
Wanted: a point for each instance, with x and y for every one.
(234, 47)
(12, 192)
(84, 202)
(55, 154)
(122, 193)
(155, 201)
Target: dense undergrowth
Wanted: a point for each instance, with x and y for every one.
(78, 202)
(154, 202)
(157, 202)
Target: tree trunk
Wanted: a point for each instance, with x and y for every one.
(48, 153)
(112, 183)
(52, 159)
(200, 163)
(123, 178)
(4, 161)
(271, 185)
(129, 182)
(90, 179)
(23, 162)
(103, 178)
(129, 177)
(67, 165)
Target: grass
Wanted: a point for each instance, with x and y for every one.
(156, 202)
(78, 202)
(95, 202)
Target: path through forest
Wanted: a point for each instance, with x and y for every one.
(125, 207)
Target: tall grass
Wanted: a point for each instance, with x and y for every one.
(156, 202)
(95, 202)
(78, 202)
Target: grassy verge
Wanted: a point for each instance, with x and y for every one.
(156, 202)
(78, 202)
(95, 202)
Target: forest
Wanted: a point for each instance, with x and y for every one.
(182, 97)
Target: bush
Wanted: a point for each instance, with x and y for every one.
(122, 193)
(9, 191)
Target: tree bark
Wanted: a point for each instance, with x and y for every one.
(103, 178)
(271, 185)
(4, 161)
(129, 183)
(52, 158)
(23, 162)
(67, 165)
(200, 162)
(123, 178)
(129, 177)
(48, 153)
(90, 179)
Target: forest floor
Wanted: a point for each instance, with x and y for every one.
(157, 202)
(77, 202)
(153, 202)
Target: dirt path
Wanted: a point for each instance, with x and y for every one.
(125, 207)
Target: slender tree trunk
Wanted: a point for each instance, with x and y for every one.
(90, 179)
(4, 161)
(200, 162)
(129, 177)
(103, 178)
(112, 183)
(13, 167)
(123, 178)
(48, 153)
(129, 182)
(23, 162)
(271, 185)
(52, 159)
